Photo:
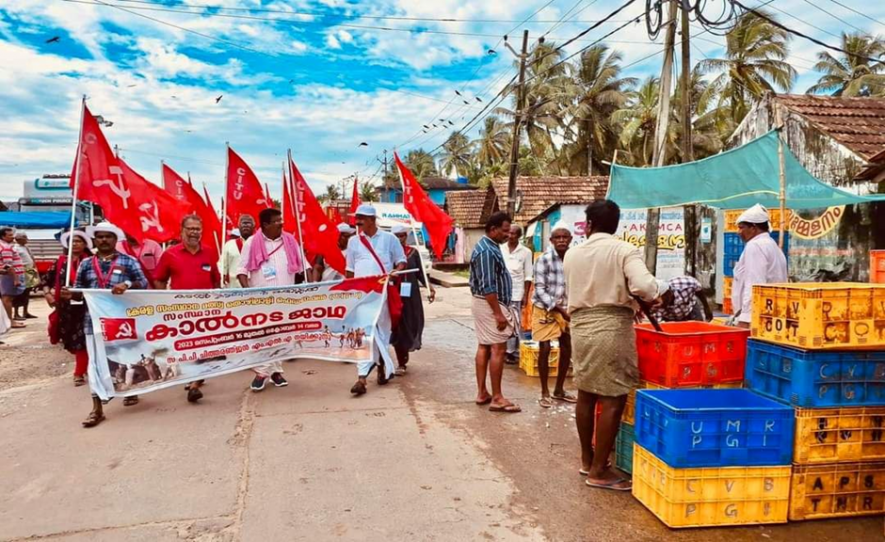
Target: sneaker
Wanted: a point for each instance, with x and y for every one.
(259, 383)
(278, 380)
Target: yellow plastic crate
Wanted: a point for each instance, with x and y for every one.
(706, 497)
(528, 358)
(727, 284)
(837, 490)
(820, 316)
(774, 215)
(630, 407)
(828, 435)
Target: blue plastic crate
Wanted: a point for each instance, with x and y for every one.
(714, 428)
(734, 247)
(624, 448)
(816, 379)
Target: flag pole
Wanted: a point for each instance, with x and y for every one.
(282, 199)
(412, 226)
(294, 193)
(74, 195)
(224, 202)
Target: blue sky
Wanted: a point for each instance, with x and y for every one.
(316, 76)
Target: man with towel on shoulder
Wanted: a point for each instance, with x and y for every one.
(603, 275)
(762, 262)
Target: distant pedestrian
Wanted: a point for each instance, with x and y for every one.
(519, 263)
(69, 324)
(270, 258)
(550, 318)
(230, 255)
(106, 270)
(374, 252)
(762, 262)
(12, 273)
(325, 273)
(494, 321)
(602, 275)
(32, 279)
(147, 253)
(684, 301)
(189, 266)
(407, 335)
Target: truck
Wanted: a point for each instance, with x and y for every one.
(391, 214)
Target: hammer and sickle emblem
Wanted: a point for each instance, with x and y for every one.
(151, 216)
(118, 187)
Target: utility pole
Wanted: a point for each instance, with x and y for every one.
(690, 212)
(384, 178)
(659, 157)
(517, 123)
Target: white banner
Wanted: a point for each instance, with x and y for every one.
(147, 340)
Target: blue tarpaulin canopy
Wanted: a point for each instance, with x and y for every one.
(37, 219)
(734, 179)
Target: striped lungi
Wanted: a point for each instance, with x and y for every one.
(604, 351)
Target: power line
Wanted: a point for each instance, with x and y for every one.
(788, 14)
(841, 20)
(851, 9)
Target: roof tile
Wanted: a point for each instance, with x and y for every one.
(539, 193)
(856, 123)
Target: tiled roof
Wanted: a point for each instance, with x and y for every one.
(856, 123)
(470, 208)
(539, 193)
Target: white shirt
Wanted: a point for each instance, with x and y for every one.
(361, 262)
(25, 255)
(277, 262)
(519, 263)
(230, 262)
(762, 262)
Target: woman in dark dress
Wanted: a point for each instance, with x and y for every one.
(69, 314)
(407, 335)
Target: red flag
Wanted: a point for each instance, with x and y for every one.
(290, 224)
(319, 234)
(158, 213)
(100, 179)
(212, 216)
(334, 216)
(245, 195)
(354, 202)
(437, 223)
(184, 191)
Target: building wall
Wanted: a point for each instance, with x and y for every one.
(471, 238)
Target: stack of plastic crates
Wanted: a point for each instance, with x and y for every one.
(877, 266)
(822, 351)
(712, 457)
(682, 355)
(528, 358)
(727, 286)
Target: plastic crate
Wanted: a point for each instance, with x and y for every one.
(727, 285)
(877, 266)
(837, 490)
(773, 214)
(727, 307)
(714, 428)
(630, 406)
(734, 247)
(810, 379)
(689, 354)
(624, 448)
(528, 358)
(815, 316)
(708, 497)
(839, 435)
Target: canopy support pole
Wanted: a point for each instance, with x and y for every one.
(783, 175)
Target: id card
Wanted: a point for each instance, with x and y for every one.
(405, 289)
(268, 272)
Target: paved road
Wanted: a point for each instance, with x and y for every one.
(415, 460)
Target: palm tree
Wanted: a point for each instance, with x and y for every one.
(456, 155)
(598, 91)
(754, 63)
(368, 193)
(332, 193)
(711, 124)
(852, 74)
(493, 145)
(421, 163)
(637, 121)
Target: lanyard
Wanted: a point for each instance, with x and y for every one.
(103, 280)
(274, 251)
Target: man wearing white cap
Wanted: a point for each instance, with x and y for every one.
(324, 273)
(550, 318)
(374, 252)
(107, 270)
(230, 255)
(762, 262)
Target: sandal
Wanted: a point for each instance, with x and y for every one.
(358, 389)
(400, 371)
(612, 484)
(130, 401)
(93, 419)
(508, 408)
(79, 381)
(485, 401)
(566, 397)
(545, 402)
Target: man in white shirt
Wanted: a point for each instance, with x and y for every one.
(519, 262)
(363, 262)
(230, 255)
(277, 264)
(327, 273)
(762, 262)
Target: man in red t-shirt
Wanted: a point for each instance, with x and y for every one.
(189, 266)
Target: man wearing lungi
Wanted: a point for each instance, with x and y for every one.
(602, 276)
(494, 321)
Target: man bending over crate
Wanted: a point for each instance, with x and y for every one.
(602, 276)
(550, 314)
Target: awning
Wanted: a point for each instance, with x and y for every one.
(734, 179)
(36, 219)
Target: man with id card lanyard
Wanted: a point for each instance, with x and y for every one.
(374, 252)
(269, 258)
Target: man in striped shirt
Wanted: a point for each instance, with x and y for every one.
(12, 272)
(494, 321)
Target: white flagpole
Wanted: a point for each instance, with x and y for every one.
(414, 231)
(224, 202)
(74, 195)
(293, 193)
(283, 200)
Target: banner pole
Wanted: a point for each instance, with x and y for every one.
(294, 193)
(74, 195)
(283, 199)
(224, 202)
(783, 175)
(412, 226)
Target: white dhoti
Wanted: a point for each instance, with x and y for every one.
(381, 345)
(268, 369)
(99, 376)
